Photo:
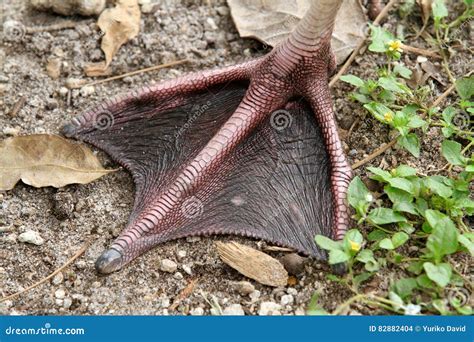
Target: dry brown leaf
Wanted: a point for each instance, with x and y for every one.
(425, 6)
(119, 24)
(271, 21)
(46, 160)
(253, 264)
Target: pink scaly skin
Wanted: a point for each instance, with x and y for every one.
(300, 66)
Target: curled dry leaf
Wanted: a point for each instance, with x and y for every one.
(425, 7)
(253, 264)
(46, 160)
(271, 21)
(118, 24)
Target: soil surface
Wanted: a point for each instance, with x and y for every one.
(66, 218)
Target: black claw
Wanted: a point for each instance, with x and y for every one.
(68, 130)
(109, 261)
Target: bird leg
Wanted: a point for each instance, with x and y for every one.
(250, 150)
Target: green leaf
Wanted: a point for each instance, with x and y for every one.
(380, 112)
(360, 278)
(425, 282)
(452, 152)
(439, 188)
(379, 38)
(405, 207)
(353, 241)
(402, 184)
(404, 287)
(338, 256)
(465, 87)
(402, 70)
(376, 235)
(354, 80)
(327, 244)
(411, 143)
(404, 171)
(439, 10)
(448, 114)
(386, 244)
(380, 175)
(314, 309)
(384, 216)
(440, 274)
(359, 196)
(443, 239)
(399, 239)
(416, 122)
(391, 84)
(466, 242)
(397, 196)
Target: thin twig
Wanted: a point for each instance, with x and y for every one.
(18, 106)
(441, 98)
(183, 294)
(54, 27)
(419, 51)
(374, 154)
(351, 58)
(69, 262)
(131, 73)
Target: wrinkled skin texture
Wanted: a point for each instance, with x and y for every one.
(251, 150)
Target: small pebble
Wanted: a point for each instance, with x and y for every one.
(178, 275)
(32, 237)
(11, 131)
(58, 279)
(254, 295)
(293, 263)
(167, 265)
(60, 294)
(286, 299)
(181, 254)
(67, 303)
(63, 91)
(87, 90)
(244, 287)
(269, 309)
(53, 68)
(187, 269)
(233, 310)
(197, 311)
(81, 264)
(4, 79)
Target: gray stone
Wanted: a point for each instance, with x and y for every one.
(167, 265)
(233, 310)
(32, 237)
(269, 309)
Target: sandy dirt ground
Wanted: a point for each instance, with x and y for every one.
(66, 218)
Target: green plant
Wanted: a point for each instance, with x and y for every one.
(416, 226)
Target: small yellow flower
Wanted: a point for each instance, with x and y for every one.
(354, 246)
(388, 116)
(395, 45)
